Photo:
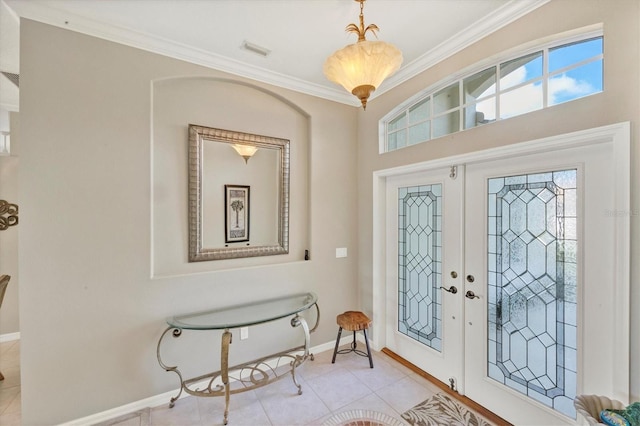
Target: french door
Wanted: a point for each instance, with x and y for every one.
(529, 247)
(424, 303)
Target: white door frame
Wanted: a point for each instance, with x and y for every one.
(616, 134)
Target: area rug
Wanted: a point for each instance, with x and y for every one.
(440, 410)
(362, 418)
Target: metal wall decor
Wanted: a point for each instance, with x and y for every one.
(8, 215)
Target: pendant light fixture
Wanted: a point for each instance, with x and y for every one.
(361, 67)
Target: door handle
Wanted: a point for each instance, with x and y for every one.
(452, 289)
(471, 295)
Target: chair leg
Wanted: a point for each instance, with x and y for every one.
(335, 350)
(368, 349)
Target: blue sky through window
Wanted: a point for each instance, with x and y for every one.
(569, 54)
(572, 84)
(574, 70)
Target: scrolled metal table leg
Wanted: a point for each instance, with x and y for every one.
(295, 322)
(176, 333)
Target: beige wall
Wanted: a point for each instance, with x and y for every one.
(618, 103)
(90, 313)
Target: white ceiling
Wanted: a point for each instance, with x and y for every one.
(299, 33)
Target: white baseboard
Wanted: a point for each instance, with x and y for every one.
(9, 337)
(164, 398)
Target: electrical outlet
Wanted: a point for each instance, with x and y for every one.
(244, 333)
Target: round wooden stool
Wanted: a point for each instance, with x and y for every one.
(353, 321)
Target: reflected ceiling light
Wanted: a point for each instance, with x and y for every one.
(362, 66)
(245, 151)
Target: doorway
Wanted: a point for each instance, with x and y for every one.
(540, 273)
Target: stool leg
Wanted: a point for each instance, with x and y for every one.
(335, 350)
(368, 349)
(354, 345)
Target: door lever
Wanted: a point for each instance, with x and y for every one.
(471, 295)
(452, 289)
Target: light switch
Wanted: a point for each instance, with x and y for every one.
(341, 252)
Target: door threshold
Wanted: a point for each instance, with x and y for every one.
(489, 415)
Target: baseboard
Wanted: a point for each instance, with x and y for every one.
(164, 398)
(9, 337)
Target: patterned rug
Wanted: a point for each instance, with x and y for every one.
(440, 410)
(362, 418)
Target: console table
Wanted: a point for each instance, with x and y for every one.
(253, 374)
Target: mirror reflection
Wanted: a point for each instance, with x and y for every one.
(238, 194)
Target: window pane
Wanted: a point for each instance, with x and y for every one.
(398, 122)
(521, 100)
(480, 85)
(420, 112)
(564, 56)
(576, 83)
(420, 264)
(520, 70)
(448, 123)
(419, 133)
(397, 140)
(531, 287)
(481, 113)
(446, 98)
(392, 142)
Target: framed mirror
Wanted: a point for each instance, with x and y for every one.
(238, 194)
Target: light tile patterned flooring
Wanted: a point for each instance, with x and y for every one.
(327, 389)
(10, 387)
(349, 384)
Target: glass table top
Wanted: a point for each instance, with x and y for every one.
(246, 314)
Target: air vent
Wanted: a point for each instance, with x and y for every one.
(258, 50)
(14, 78)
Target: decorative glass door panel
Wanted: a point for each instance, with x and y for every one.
(420, 263)
(532, 244)
(518, 263)
(423, 308)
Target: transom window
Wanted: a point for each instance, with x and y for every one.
(548, 76)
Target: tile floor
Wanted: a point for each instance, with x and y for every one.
(349, 384)
(10, 387)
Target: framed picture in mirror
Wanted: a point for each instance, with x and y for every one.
(236, 213)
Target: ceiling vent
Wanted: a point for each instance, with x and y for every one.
(258, 50)
(14, 78)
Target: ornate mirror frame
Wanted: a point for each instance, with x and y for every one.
(197, 136)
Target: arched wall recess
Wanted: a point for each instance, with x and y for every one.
(238, 109)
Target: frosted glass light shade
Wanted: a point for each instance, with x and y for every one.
(245, 151)
(365, 63)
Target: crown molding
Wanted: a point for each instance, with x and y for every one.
(506, 14)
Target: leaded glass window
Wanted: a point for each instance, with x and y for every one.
(532, 255)
(420, 263)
